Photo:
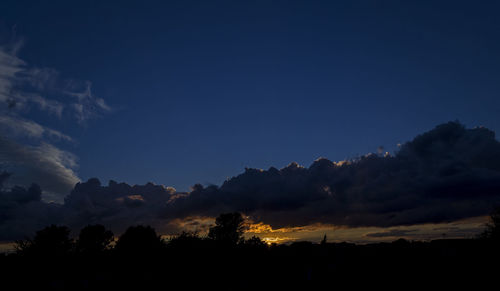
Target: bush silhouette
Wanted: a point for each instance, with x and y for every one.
(228, 228)
(94, 239)
(139, 240)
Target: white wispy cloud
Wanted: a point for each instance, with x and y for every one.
(87, 105)
(21, 127)
(9, 66)
(23, 87)
(15, 74)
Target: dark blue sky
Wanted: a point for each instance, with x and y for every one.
(201, 89)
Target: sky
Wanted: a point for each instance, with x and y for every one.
(185, 92)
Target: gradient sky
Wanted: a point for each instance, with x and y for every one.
(198, 90)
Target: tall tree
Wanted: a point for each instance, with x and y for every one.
(228, 229)
(94, 239)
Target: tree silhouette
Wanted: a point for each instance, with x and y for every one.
(94, 239)
(185, 240)
(255, 243)
(492, 230)
(50, 241)
(139, 240)
(142, 261)
(323, 241)
(228, 228)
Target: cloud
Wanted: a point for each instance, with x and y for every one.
(9, 67)
(17, 82)
(23, 212)
(50, 106)
(27, 148)
(392, 233)
(444, 175)
(118, 205)
(87, 105)
(21, 127)
(22, 87)
(53, 169)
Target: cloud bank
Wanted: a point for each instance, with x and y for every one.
(446, 174)
(442, 175)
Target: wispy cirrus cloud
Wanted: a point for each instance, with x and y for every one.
(87, 105)
(23, 87)
(18, 126)
(10, 65)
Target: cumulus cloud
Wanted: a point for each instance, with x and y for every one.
(22, 211)
(444, 175)
(117, 205)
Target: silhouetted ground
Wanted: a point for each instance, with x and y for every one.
(205, 263)
(141, 260)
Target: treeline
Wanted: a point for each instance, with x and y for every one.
(224, 259)
(94, 240)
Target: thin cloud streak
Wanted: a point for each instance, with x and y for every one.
(21, 127)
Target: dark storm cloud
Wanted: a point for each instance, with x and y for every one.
(22, 211)
(446, 174)
(117, 205)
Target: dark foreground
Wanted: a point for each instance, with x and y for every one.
(191, 262)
